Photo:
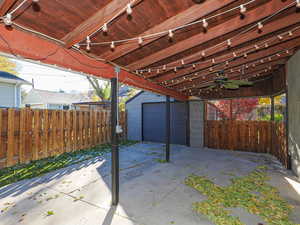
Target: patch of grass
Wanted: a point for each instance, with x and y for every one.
(161, 160)
(50, 213)
(250, 192)
(39, 167)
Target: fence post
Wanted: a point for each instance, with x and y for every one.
(10, 137)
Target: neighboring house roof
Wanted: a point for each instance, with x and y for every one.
(92, 103)
(36, 96)
(11, 78)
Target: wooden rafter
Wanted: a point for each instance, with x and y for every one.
(237, 75)
(95, 22)
(30, 46)
(229, 26)
(192, 14)
(270, 28)
(251, 58)
(5, 5)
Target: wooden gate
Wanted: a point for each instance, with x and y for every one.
(252, 136)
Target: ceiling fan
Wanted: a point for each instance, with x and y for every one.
(222, 81)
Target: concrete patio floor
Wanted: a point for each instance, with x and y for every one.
(151, 193)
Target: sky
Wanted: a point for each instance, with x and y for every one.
(48, 78)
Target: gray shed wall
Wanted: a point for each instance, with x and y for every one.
(134, 113)
(293, 77)
(196, 123)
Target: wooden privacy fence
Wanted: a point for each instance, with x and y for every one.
(252, 136)
(28, 134)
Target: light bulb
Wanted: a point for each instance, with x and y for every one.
(35, 1)
(175, 69)
(194, 66)
(112, 45)
(213, 61)
(88, 40)
(290, 33)
(104, 28)
(88, 47)
(298, 3)
(140, 40)
(164, 67)
(128, 9)
(182, 62)
(260, 25)
(229, 43)
(204, 23)
(280, 37)
(7, 20)
(245, 55)
(243, 9)
(234, 55)
(203, 54)
(171, 34)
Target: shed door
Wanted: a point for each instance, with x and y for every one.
(154, 125)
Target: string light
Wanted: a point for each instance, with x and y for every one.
(164, 67)
(213, 61)
(140, 41)
(280, 37)
(182, 62)
(243, 9)
(203, 54)
(290, 32)
(175, 69)
(234, 55)
(204, 23)
(266, 45)
(256, 47)
(229, 43)
(194, 66)
(88, 42)
(260, 25)
(7, 20)
(104, 28)
(112, 45)
(129, 9)
(171, 34)
(245, 55)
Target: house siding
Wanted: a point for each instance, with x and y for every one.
(7, 95)
(134, 113)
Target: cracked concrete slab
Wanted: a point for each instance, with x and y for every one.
(151, 193)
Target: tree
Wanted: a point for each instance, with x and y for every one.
(102, 91)
(235, 109)
(8, 66)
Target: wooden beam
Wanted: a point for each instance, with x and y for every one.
(190, 15)
(204, 67)
(269, 28)
(32, 47)
(95, 22)
(5, 5)
(251, 58)
(237, 75)
(227, 27)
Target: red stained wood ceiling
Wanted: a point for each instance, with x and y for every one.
(71, 21)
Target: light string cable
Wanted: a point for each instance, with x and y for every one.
(165, 32)
(166, 67)
(239, 66)
(262, 45)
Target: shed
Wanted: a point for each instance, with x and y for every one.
(146, 122)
